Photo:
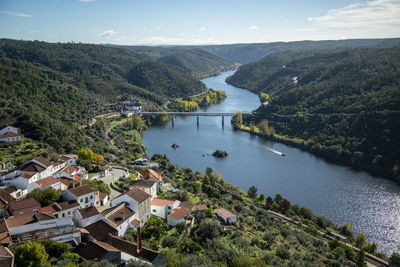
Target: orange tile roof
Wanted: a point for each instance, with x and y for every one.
(149, 174)
(43, 161)
(47, 181)
(178, 213)
(134, 222)
(160, 202)
(82, 190)
(115, 216)
(200, 207)
(138, 195)
(9, 134)
(69, 169)
(224, 212)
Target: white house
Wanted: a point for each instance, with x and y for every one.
(151, 175)
(72, 172)
(177, 216)
(148, 186)
(40, 226)
(69, 159)
(84, 195)
(20, 179)
(226, 215)
(138, 201)
(120, 218)
(84, 217)
(163, 207)
(9, 134)
(63, 209)
(50, 182)
(8, 129)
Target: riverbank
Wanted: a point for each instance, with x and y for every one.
(320, 151)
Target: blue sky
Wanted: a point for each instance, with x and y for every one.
(153, 22)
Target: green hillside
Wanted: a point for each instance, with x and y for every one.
(340, 104)
(197, 61)
(50, 89)
(246, 53)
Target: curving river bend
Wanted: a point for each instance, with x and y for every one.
(371, 204)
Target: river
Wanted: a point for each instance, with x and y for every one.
(371, 204)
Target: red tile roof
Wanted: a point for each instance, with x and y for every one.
(9, 134)
(66, 181)
(96, 250)
(120, 215)
(69, 169)
(224, 212)
(162, 202)
(31, 167)
(47, 181)
(179, 213)
(149, 174)
(82, 190)
(100, 230)
(138, 195)
(25, 204)
(200, 207)
(27, 175)
(88, 212)
(43, 161)
(134, 222)
(28, 219)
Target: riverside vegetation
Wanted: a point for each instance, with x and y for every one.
(342, 104)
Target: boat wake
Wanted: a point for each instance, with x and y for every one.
(275, 151)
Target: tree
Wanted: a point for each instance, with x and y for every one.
(85, 153)
(70, 256)
(394, 260)
(237, 119)
(137, 123)
(264, 97)
(98, 159)
(45, 196)
(284, 205)
(252, 191)
(360, 259)
(361, 240)
(30, 254)
(57, 249)
(208, 229)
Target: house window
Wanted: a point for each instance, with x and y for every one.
(91, 197)
(81, 200)
(63, 215)
(154, 210)
(69, 213)
(169, 207)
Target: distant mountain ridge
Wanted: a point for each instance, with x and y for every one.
(198, 61)
(251, 52)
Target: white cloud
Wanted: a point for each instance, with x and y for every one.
(253, 28)
(203, 28)
(16, 14)
(364, 19)
(309, 19)
(107, 33)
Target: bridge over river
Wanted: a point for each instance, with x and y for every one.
(198, 114)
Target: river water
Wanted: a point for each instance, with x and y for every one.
(370, 203)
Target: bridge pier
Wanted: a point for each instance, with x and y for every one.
(198, 120)
(223, 123)
(173, 121)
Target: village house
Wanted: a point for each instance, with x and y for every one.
(63, 209)
(41, 226)
(9, 134)
(151, 175)
(84, 195)
(138, 201)
(120, 218)
(49, 182)
(100, 230)
(225, 215)
(200, 207)
(86, 216)
(9, 206)
(148, 186)
(163, 207)
(98, 251)
(69, 159)
(177, 216)
(72, 172)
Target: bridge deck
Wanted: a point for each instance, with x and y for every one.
(193, 113)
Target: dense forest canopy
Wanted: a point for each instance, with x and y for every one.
(343, 104)
(49, 89)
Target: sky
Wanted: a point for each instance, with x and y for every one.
(190, 22)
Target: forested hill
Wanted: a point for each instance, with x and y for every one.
(197, 61)
(340, 104)
(246, 53)
(48, 89)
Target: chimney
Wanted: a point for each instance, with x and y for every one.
(121, 215)
(139, 241)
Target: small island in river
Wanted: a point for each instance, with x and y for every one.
(220, 154)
